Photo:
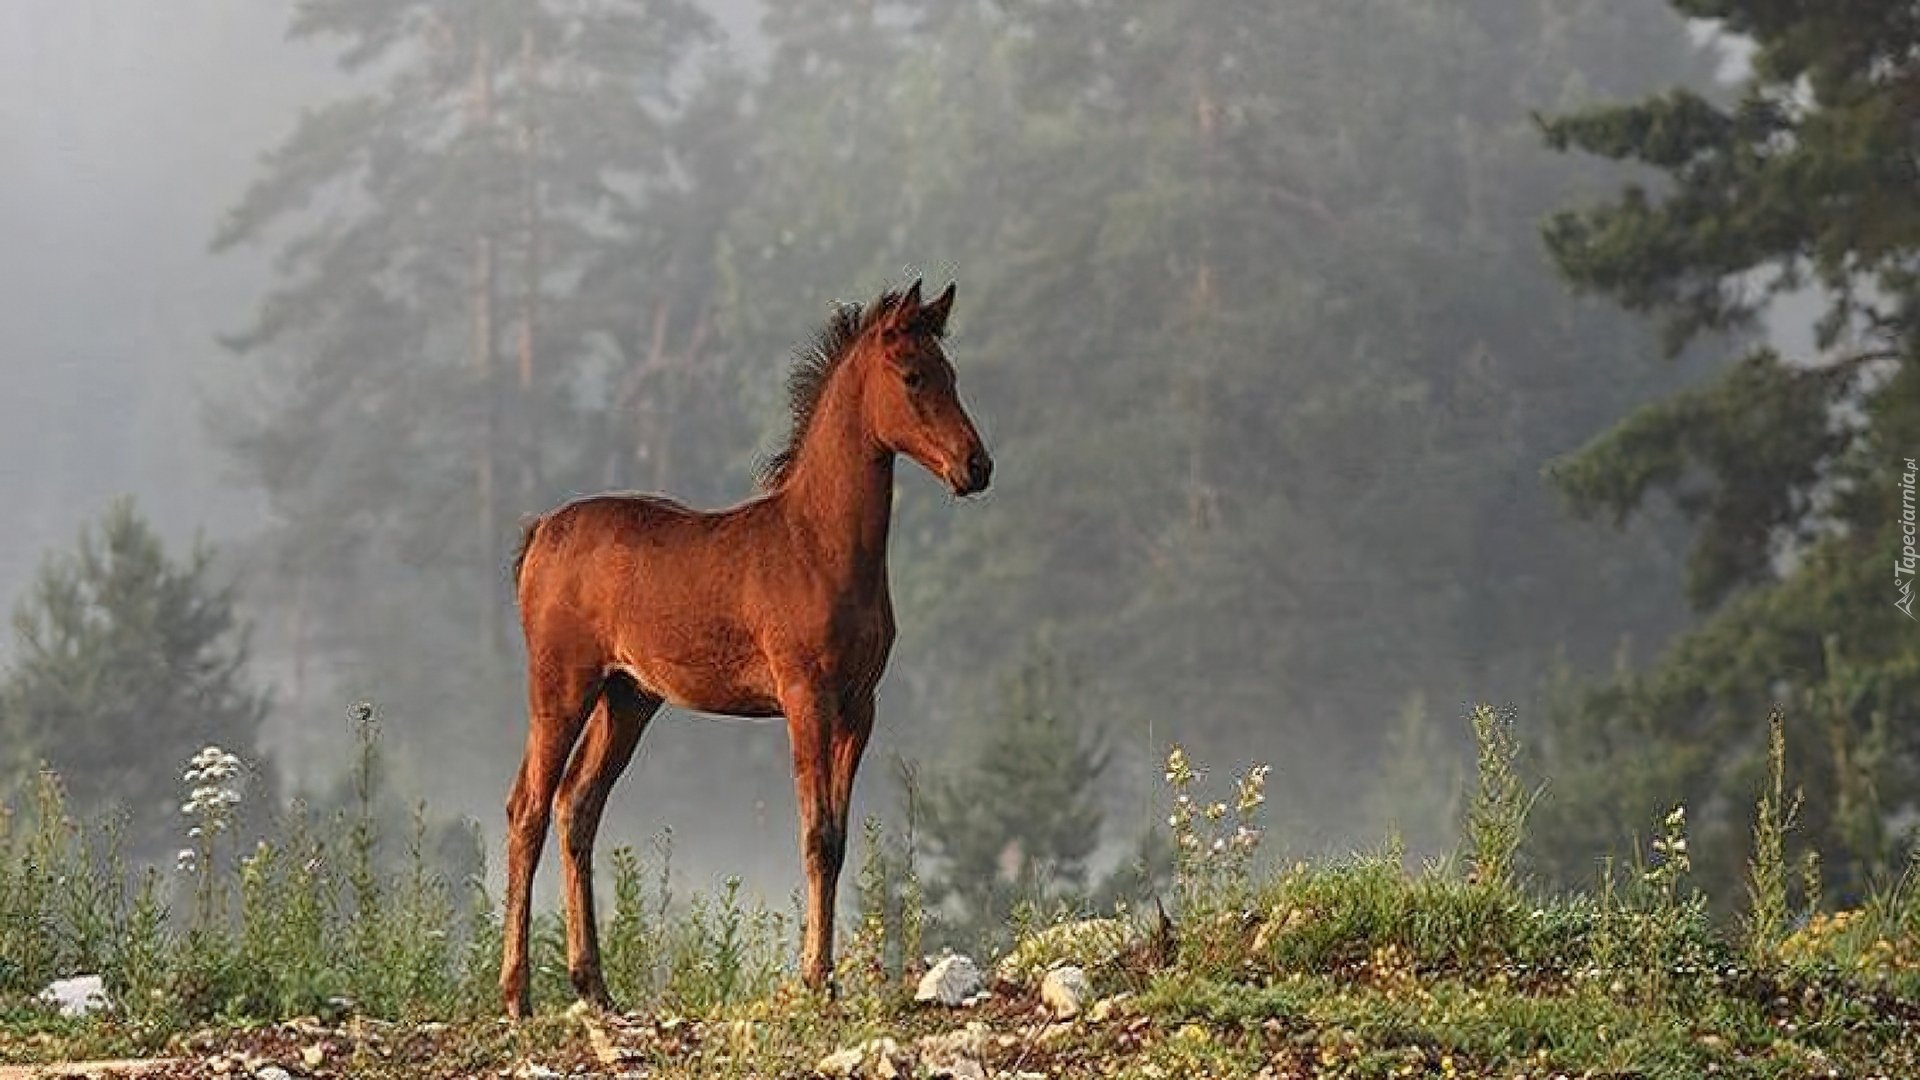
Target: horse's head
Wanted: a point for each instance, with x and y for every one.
(913, 406)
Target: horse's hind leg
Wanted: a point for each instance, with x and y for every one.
(611, 736)
(560, 702)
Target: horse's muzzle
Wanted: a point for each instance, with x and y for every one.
(979, 472)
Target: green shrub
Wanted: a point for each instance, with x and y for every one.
(1497, 813)
(634, 943)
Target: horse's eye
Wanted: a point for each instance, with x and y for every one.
(914, 379)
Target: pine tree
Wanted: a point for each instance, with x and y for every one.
(433, 362)
(1791, 469)
(672, 419)
(829, 150)
(126, 663)
(1270, 363)
(1018, 821)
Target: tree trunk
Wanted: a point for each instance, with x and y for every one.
(530, 238)
(482, 346)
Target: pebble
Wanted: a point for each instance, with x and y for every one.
(950, 982)
(77, 996)
(842, 1063)
(1063, 989)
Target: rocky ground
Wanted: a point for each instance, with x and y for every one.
(1083, 1000)
(1010, 1033)
(991, 1036)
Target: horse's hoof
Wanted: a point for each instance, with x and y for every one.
(591, 991)
(827, 986)
(599, 1005)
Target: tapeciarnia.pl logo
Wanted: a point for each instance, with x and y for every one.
(1909, 559)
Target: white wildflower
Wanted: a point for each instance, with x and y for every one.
(1253, 789)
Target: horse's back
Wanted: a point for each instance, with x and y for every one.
(617, 506)
(624, 518)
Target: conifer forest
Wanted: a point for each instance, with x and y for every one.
(1484, 431)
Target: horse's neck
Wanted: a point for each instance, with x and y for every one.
(841, 487)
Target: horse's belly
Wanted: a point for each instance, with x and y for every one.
(734, 689)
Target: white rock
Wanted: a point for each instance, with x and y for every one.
(273, 1072)
(954, 1055)
(950, 982)
(842, 1063)
(77, 996)
(1063, 989)
(881, 1058)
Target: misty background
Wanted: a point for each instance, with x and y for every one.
(1252, 309)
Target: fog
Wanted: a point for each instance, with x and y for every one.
(125, 138)
(1335, 594)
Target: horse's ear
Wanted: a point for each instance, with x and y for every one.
(934, 315)
(910, 303)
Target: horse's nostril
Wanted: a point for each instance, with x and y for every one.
(979, 469)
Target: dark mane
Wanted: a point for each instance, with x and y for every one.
(528, 526)
(813, 364)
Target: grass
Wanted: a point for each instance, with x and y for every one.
(323, 942)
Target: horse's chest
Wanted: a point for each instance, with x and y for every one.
(869, 648)
(858, 640)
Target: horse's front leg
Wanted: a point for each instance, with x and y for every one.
(829, 733)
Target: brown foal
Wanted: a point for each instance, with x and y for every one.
(776, 607)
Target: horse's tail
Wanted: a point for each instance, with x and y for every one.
(529, 525)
